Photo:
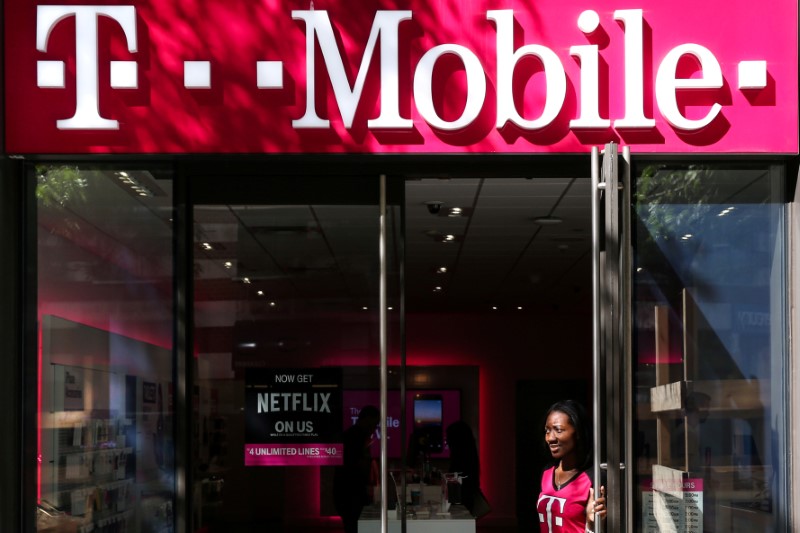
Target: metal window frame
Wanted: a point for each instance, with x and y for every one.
(793, 370)
(12, 320)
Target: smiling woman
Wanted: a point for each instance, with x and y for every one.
(567, 481)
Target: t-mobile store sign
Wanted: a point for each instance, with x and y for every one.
(237, 76)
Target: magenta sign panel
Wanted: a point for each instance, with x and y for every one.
(400, 76)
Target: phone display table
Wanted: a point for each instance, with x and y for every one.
(420, 520)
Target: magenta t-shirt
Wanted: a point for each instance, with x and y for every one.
(563, 511)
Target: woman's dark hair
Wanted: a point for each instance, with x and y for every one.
(577, 417)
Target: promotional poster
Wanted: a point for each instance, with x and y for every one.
(293, 417)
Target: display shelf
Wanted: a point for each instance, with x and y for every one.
(156, 511)
(88, 476)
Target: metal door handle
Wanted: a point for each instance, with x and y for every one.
(604, 466)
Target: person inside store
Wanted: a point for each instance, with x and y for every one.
(352, 480)
(567, 501)
(464, 460)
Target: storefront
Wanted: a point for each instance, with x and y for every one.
(230, 227)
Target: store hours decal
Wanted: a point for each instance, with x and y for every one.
(293, 417)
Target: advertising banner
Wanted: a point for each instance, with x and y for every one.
(293, 417)
(400, 76)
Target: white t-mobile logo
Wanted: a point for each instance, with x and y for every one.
(551, 519)
(51, 73)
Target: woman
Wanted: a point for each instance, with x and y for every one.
(566, 503)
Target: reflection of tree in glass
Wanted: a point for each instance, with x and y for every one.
(79, 206)
(57, 188)
(660, 185)
(711, 231)
(682, 210)
(57, 185)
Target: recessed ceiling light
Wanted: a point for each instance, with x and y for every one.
(441, 270)
(228, 264)
(437, 289)
(272, 304)
(207, 246)
(260, 293)
(520, 308)
(547, 221)
(455, 212)
(449, 238)
(246, 281)
(494, 307)
(365, 308)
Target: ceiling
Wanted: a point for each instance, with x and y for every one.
(501, 257)
(324, 258)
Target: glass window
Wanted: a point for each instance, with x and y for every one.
(105, 361)
(287, 344)
(710, 348)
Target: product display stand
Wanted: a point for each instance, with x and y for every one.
(90, 479)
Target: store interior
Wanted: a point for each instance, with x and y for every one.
(488, 307)
(497, 288)
(496, 298)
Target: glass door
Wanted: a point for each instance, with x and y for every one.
(691, 340)
(294, 299)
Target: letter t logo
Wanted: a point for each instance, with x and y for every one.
(87, 112)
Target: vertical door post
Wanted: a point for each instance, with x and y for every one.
(597, 365)
(384, 370)
(611, 328)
